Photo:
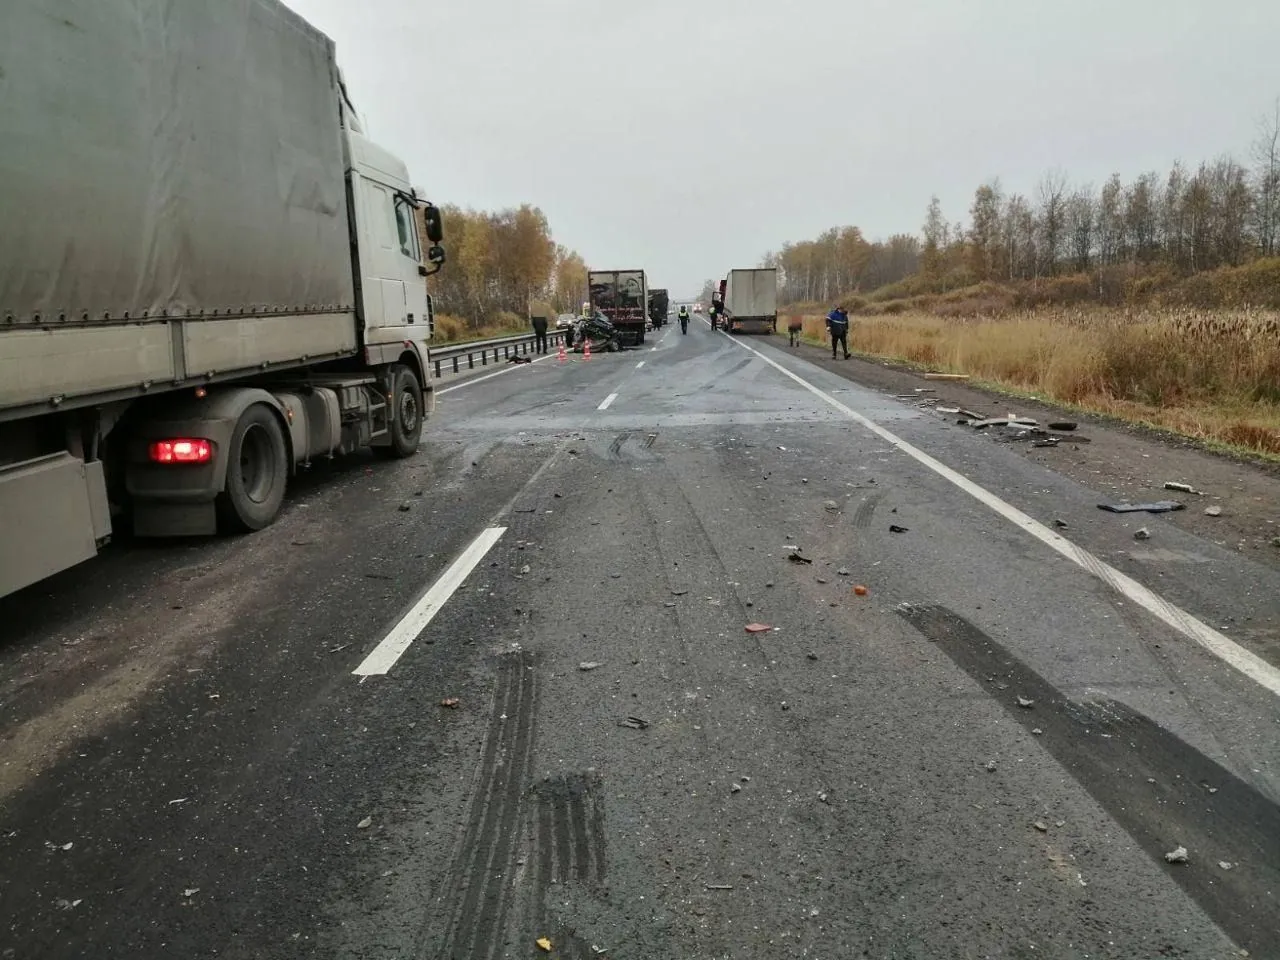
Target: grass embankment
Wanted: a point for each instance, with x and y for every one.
(1211, 375)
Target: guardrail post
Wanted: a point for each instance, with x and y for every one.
(437, 369)
(455, 364)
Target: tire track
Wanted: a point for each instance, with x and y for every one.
(569, 840)
(479, 889)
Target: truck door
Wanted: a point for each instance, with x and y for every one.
(392, 266)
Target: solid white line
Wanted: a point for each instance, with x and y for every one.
(607, 400)
(640, 364)
(490, 376)
(1220, 645)
(398, 638)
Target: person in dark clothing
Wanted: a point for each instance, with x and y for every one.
(538, 316)
(794, 328)
(838, 324)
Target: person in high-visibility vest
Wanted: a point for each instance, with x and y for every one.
(684, 318)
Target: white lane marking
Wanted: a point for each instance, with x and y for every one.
(1220, 645)
(640, 364)
(398, 639)
(607, 400)
(490, 376)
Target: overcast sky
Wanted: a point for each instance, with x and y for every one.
(690, 136)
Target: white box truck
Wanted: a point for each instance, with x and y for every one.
(751, 300)
(209, 276)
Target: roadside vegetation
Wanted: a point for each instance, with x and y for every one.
(1156, 300)
(499, 263)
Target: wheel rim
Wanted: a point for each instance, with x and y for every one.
(407, 412)
(257, 464)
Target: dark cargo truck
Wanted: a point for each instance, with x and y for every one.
(622, 296)
(659, 304)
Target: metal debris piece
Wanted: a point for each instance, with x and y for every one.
(991, 766)
(1060, 524)
(1037, 731)
(1182, 488)
(1026, 703)
(1159, 506)
(1178, 855)
(734, 788)
(1142, 534)
(634, 723)
(894, 528)
(717, 886)
(1225, 864)
(795, 557)
(589, 665)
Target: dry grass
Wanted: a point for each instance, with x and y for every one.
(452, 329)
(1212, 375)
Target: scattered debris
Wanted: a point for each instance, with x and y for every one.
(365, 824)
(812, 656)
(634, 723)
(179, 800)
(1036, 731)
(1050, 442)
(1062, 425)
(795, 557)
(734, 788)
(1225, 864)
(991, 766)
(678, 593)
(1060, 524)
(190, 891)
(1142, 534)
(823, 580)
(831, 506)
(451, 703)
(843, 572)
(785, 705)
(946, 376)
(769, 584)
(406, 507)
(1213, 511)
(1159, 506)
(894, 528)
(59, 846)
(1026, 703)
(518, 359)
(669, 603)
(860, 590)
(822, 796)
(1009, 421)
(971, 415)
(1177, 856)
(758, 628)
(589, 665)
(64, 904)
(543, 944)
(717, 886)
(1041, 826)
(525, 569)
(1182, 488)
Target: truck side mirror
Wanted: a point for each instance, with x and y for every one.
(434, 224)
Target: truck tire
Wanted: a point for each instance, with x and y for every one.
(257, 468)
(406, 415)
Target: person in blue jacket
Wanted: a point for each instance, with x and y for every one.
(838, 324)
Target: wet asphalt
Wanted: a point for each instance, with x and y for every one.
(986, 753)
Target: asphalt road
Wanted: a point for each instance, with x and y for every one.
(240, 748)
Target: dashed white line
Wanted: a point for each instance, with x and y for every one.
(640, 364)
(607, 400)
(398, 639)
(1220, 645)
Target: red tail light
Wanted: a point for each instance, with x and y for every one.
(181, 451)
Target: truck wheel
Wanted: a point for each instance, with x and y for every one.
(406, 420)
(257, 466)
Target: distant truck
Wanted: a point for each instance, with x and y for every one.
(751, 300)
(209, 276)
(659, 306)
(623, 297)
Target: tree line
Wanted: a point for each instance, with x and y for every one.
(1222, 213)
(499, 262)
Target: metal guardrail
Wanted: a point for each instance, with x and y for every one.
(495, 350)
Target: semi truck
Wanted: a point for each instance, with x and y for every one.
(623, 297)
(659, 305)
(209, 275)
(751, 300)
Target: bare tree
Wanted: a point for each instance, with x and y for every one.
(1082, 218)
(1266, 182)
(1111, 221)
(1053, 215)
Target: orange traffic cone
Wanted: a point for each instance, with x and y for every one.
(561, 355)
(586, 348)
